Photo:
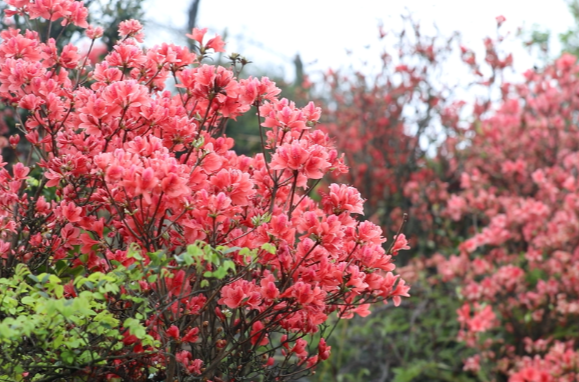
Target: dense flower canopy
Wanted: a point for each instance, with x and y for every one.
(237, 262)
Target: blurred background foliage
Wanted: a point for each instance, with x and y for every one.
(538, 38)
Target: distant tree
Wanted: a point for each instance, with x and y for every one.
(538, 38)
(570, 39)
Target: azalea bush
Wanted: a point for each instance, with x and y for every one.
(519, 270)
(495, 204)
(136, 245)
(401, 129)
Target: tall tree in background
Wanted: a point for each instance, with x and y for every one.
(192, 16)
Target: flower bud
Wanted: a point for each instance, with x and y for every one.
(14, 140)
(94, 32)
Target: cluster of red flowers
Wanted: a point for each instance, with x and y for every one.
(116, 161)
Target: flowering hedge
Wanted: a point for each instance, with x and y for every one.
(128, 203)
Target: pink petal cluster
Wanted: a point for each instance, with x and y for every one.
(134, 170)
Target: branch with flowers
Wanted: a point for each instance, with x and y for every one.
(187, 261)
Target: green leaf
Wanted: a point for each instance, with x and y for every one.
(226, 250)
(229, 264)
(77, 271)
(157, 258)
(213, 257)
(32, 181)
(61, 266)
(33, 278)
(187, 258)
(134, 252)
(195, 251)
(59, 291)
(135, 328)
(28, 300)
(68, 357)
(220, 273)
(268, 247)
(152, 278)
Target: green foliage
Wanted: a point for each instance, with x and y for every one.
(45, 332)
(49, 330)
(570, 39)
(539, 37)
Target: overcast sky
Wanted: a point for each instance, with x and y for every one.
(271, 32)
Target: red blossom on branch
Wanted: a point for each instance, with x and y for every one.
(123, 173)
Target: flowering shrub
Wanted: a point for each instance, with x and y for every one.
(519, 271)
(503, 190)
(230, 265)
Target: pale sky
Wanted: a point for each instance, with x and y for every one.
(270, 32)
